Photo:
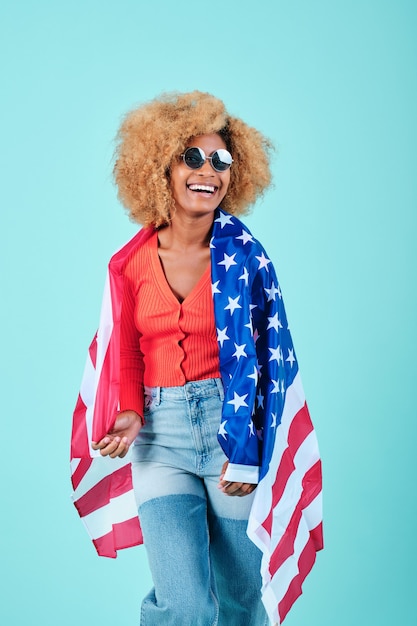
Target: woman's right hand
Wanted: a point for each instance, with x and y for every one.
(121, 436)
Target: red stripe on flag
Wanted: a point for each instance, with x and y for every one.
(285, 469)
(311, 484)
(305, 563)
(107, 393)
(124, 535)
(111, 486)
(317, 537)
(80, 472)
(285, 547)
(92, 350)
(79, 438)
(300, 428)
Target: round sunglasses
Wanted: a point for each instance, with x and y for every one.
(220, 160)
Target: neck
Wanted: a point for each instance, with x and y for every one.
(185, 232)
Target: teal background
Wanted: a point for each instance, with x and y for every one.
(333, 84)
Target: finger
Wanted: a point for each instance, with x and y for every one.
(224, 468)
(239, 489)
(121, 449)
(246, 489)
(99, 445)
(231, 489)
(224, 484)
(110, 447)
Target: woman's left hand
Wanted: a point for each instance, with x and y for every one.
(234, 489)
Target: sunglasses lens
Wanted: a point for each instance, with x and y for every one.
(194, 158)
(221, 160)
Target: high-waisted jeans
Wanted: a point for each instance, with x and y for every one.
(205, 570)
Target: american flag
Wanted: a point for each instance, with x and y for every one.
(265, 419)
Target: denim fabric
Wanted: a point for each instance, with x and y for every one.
(204, 567)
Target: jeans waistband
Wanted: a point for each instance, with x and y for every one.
(189, 391)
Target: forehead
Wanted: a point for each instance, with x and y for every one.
(208, 143)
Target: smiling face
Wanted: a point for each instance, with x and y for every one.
(199, 192)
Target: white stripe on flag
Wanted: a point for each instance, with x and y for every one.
(277, 587)
(99, 469)
(118, 510)
(74, 463)
(313, 514)
(284, 509)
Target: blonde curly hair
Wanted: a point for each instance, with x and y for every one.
(154, 135)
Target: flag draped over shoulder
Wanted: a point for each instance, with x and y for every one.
(265, 419)
(265, 408)
(103, 491)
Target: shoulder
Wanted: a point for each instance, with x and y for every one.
(122, 257)
(229, 232)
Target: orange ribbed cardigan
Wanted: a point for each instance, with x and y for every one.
(163, 343)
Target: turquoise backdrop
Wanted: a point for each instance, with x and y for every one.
(333, 84)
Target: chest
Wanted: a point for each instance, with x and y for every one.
(183, 272)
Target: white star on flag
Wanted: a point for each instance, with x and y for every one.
(260, 399)
(274, 322)
(254, 375)
(222, 336)
(251, 429)
(233, 304)
(222, 429)
(240, 351)
(214, 288)
(224, 219)
(250, 326)
(291, 357)
(263, 262)
(282, 388)
(276, 386)
(271, 293)
(228, 261)
(238, 401)
(211, 243)
(276, 354)
(245, 237)
(245, 276)
(274, 420)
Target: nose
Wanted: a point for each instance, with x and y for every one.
(206, 169)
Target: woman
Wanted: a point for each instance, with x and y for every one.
(195, 408)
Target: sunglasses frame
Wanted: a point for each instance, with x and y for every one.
(207, 158)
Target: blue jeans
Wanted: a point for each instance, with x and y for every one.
(206, 571)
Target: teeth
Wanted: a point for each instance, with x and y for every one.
(209, 188)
